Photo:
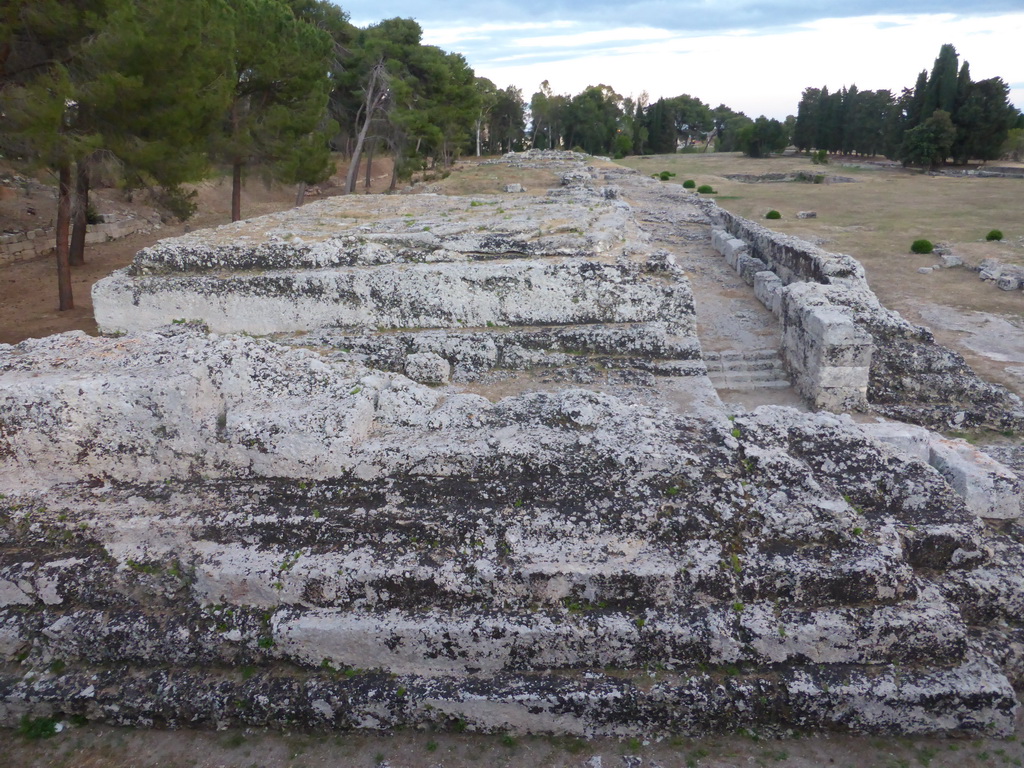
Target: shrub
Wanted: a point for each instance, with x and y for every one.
(995, 234)
(689, 184)
(37, 727)
(773, 214)
(705, 189)
(665, 175)
(819, 179)
(922, 246)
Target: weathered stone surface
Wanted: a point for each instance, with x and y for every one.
(303, 511)
(427, 368)
(379, 553)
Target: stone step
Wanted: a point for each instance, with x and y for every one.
(578, 635)
(746, 382)
(972, 698)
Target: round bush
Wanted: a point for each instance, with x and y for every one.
(922, 246)
(665, 175)
(705, 189)
(773, 214)
(995, 234)
(689, 184)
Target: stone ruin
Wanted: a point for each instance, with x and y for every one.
(457, 462)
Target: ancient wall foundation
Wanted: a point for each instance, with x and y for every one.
(879, 359)
(22, 246)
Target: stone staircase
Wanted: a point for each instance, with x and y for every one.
(746, 370)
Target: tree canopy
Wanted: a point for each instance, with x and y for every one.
(909, 127)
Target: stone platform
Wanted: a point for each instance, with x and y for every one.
(457, 488)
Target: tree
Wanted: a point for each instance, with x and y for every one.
(146, 56)
(983, 121)
(941, 89)
(806, 128)
(507, 121)
(279, 95)
(762, 137)
(107, 76)
(929, 144)
(593, 119)
(487, 98)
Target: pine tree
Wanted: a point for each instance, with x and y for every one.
(941, 90)
(280, 89)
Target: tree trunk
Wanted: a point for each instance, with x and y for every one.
(369, 163)
(236, 190)
(394, 179)
(478, 137)
(79, 214)
(376, 89)
(63, 219)
(300, 194)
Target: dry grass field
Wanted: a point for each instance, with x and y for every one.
(875, 219)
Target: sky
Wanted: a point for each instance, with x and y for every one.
(755, 56)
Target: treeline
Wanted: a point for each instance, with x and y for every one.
(600, 121)
(945, 115)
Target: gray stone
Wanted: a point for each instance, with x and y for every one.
(513, 188)
(427, 368)
(807, 214)
(925, 270)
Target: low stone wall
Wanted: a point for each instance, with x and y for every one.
(836, 331)
(827, 354)
(23, 246)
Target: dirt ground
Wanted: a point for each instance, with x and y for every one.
(106, 747)
(28, 290)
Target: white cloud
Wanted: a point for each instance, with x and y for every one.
(593, 37)
(759, 72)
(446, 36)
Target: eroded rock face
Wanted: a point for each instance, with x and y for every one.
(382, 553)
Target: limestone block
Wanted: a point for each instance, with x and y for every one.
(768, 290)
(907, 439)
(843, 377)
(513, 188)
(832, 326)
(427, 368)
(989, 488)
(807, 214)
(1010, 282)
(846, 355)
(719, 237)
(748, 266)
(732, 250)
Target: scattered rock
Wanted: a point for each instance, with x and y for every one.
(807, 214)
(427, 368)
